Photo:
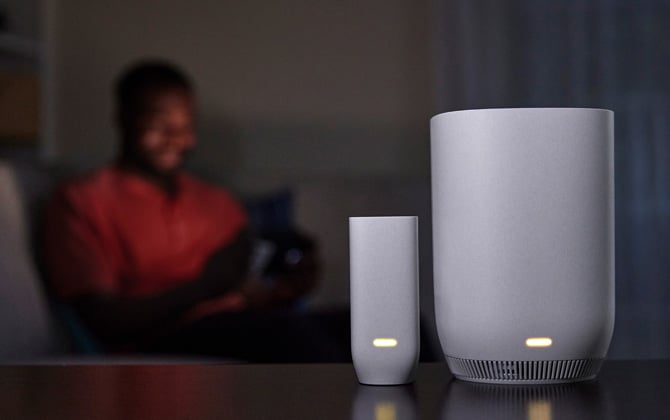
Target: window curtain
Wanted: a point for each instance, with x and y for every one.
(612, 54)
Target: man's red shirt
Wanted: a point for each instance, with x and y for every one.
(115, 232)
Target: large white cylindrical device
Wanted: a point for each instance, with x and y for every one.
(523, 231)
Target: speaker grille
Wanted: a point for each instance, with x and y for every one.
(520, 371)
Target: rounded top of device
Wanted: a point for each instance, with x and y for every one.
(523, 111)
(381, 217)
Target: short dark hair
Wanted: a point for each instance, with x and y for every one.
(143, 77)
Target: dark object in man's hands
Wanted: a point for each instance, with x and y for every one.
(291, 265)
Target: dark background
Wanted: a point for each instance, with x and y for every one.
(331, 101)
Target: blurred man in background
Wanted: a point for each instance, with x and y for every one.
(143, 251)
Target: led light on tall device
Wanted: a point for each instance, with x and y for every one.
(384, 342)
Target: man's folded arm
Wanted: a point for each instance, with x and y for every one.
(116, 319)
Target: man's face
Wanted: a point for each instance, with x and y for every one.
(164, 132)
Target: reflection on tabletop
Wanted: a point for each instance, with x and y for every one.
(464, 400)
(384, 403)
(582, 400)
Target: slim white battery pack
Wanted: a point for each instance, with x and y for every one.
(384, 264)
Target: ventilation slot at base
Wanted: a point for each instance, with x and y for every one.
(524, 371)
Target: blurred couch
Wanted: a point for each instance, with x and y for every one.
(27, 329)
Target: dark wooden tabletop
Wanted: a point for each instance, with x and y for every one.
(624, 390)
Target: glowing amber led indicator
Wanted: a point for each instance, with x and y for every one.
(384, 342)
(539, 342)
